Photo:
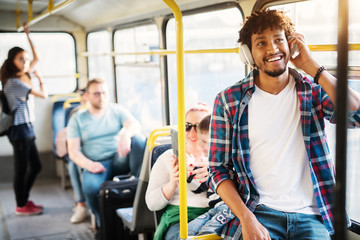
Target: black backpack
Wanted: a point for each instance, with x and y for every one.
(6, 116)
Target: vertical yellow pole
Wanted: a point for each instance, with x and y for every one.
(17, 18)
(30, 13)
(181, 115)
(50, 5)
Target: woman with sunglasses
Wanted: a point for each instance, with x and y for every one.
(163, 190)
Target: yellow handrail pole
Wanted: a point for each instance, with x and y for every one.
(46, 13)
(313, 48)
(50, 5)
(17, 18)
(181, 115)
(30, 10)
(160, 52)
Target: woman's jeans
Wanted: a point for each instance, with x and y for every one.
(282, 225)
(91, 182)
(27, 167)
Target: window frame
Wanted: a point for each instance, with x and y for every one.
(75, 54)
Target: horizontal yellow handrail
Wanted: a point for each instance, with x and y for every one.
(155, 134)
(314, 48)
(69, 101)
(160, 52)
(205, 237)
(152, 143)
(156, 131)
(332, 47)
(56, 97)
(51, 10)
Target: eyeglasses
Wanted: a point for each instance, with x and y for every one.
(188, 126)
(97, 94)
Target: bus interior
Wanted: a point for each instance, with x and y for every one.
(131, 44)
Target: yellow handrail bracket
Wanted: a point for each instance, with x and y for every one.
(50, 10)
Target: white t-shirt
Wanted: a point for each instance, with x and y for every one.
(278, 158)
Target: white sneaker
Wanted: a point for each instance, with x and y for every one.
(80, 213)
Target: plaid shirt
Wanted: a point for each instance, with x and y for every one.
(229, 144)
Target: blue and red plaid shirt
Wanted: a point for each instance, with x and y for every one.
(229, 144)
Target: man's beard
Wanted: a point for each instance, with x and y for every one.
(275, 73)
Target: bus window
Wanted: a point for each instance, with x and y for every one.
(325, 32)
(139, 75)
(205, 74)
(101, 66)
(57, 57)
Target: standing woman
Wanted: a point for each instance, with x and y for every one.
(20, 92)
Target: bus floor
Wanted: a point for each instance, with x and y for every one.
(53, 224)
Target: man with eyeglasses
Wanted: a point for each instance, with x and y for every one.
(99, 141)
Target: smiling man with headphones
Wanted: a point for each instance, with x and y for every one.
(269, 158)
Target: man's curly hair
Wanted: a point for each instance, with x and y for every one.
(259, 21)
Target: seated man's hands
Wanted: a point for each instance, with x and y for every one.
(95, 167)
(124, 145)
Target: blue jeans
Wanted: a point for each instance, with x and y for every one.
(91, 182)
(213, 220)
(206, 223)
(75, 179)
(173, 232)
(282, 225)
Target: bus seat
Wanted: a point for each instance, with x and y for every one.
(157, 151)
(139, 219)
(68, 109)
(58, 123)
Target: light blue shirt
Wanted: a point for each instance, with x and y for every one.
(99, 136)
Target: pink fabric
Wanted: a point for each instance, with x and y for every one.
(60, 143)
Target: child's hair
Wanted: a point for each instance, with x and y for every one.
(204, 124)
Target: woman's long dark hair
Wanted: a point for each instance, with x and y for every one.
(8, 69)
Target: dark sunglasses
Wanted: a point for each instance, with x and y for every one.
(188, 126)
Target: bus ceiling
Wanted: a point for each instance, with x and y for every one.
(89, 15)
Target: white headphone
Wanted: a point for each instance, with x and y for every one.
(245, 55)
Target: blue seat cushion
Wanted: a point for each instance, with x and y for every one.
(125, 213)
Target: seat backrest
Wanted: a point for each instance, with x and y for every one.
(143, 218)
(68, 110)
(157, 151)
(57, 119)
